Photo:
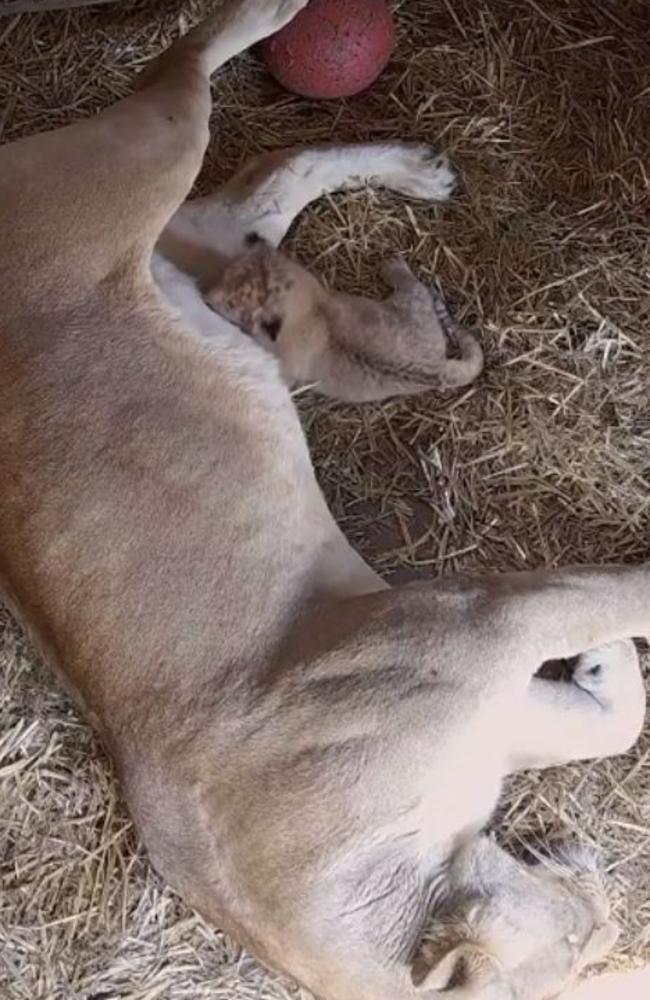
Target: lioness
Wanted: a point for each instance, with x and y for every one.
(310, 757)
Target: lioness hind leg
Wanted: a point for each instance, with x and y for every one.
(599, 713)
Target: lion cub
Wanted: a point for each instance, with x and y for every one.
(350, 347)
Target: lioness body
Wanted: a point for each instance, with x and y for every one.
(308, 756)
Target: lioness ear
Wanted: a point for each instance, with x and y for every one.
(465, 968)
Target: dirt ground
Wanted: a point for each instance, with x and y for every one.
(545, 107)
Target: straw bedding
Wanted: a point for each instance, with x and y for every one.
(544, 105)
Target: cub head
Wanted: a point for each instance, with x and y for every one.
(262, 291)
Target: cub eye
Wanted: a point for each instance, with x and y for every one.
(272, 326)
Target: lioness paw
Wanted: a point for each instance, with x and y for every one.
(612, 676)
(607, 668)
(428, 173)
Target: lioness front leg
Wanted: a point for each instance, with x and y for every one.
(271, 194)
(235, 25)
(598, 713)
(270, 190)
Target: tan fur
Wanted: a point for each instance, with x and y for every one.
(347, 346)
(309, 756)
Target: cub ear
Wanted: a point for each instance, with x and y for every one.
(463, 971)
(271, 326)
(255, 240)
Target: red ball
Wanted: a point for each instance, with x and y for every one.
(332, 48)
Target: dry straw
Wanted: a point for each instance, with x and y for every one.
(20, 6)
(545, 107)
